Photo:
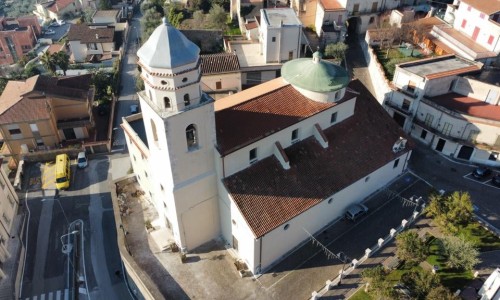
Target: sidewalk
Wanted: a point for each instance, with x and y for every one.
(10, 266)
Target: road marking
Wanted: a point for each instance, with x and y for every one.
(66, 294)
(58, 295)
(481, 182)
(50, 296)
(42, 297)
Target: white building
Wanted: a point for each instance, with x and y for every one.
(9, 203)
(330, 21)
(261, 167)
(457, 116)
(280, 39)
(220, 74)
(474, 29)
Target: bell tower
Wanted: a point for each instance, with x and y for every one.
(180, 128)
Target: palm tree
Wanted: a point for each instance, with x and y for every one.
(48, 62)
(61, 59)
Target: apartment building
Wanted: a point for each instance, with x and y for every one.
(18, 36)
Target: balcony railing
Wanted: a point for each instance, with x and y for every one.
(439, 133)
(406, 112)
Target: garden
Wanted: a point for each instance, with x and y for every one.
(433, 266)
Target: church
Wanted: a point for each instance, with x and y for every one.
(262, 168)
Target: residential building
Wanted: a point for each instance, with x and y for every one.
(220, 74)
(330, 22)
(473, 31)
(91, 43)
(42, 112)
(57, 9)
(107, 17)
(260, 168)
(18, 36)
(9, 203)
(280, 39)
(455, 115)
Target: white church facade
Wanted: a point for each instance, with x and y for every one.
(264, 166)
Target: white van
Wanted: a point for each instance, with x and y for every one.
(82, 160)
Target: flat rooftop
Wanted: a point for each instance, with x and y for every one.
(277, 17)
(440, 66)
(249, 55)
(468, 106)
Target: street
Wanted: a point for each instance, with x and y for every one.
(88, 200)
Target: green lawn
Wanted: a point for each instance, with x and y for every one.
(482, 238)
(388, 58)
(451, 278)
(361, 295)
(395, 275)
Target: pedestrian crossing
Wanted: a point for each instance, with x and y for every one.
(56, 295)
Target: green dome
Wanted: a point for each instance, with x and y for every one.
(315, 74)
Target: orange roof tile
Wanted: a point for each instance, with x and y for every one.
(468, 106)
(331, 5)
(486, 6)
(269, 196)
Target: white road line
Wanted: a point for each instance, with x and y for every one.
(50, 295)
(42, 297)
(66, 294)
(35, 297)
(58, 295)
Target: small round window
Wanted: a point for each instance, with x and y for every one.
(286, 226)
(184, 79)
(330, 200)
(367, 178)
(164, 82)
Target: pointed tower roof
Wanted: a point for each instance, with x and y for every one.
(168, 48)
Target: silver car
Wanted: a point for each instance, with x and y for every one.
(355, 211)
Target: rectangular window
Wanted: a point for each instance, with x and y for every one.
(396, 163)
(295, 135)
(429, 119)
(423, 134)
(218, 85)
(447, 128)
(464, 23)
(406, 104)
(469, 8)
(490, 40)
(374, 7)
(253, 155)
(15, 131)
(290, 55)
(481, 15)
(355, 9)
(273, 39)
(333, 118)
(92, 46)
(411, 86)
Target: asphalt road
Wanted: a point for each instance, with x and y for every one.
(87, 199)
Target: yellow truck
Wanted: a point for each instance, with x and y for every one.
(62, 171)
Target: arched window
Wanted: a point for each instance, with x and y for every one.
(153, 128)
(191, 137)
(166, 101)
(186, 100)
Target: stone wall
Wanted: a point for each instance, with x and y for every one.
(376, 71)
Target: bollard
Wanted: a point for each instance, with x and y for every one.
(392, 232)
(415, 214)
(354, 263)
(315, 295)
(368, 251)
(380, 242)
(403, 223)
(328, 284)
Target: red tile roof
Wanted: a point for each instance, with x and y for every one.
(219, 63)
(263, 113)
(486, 6)
(251, 25)
(85, 34)
(59, 5)
(468, 106)
(269, 196)
(331, 5)
(26, 100)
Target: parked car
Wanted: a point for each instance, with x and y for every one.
(134, 108)
(61, 22)
(82, 160)
(496, 180)
(355, 211)
(481, 172)
(49, 32)
(54, 24)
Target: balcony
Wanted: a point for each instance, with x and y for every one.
(435, 131)
(396, 107)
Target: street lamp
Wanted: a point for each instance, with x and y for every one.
(60, 205)
(344, 259)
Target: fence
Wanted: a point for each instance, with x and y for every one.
(381, 242)
(376, 71)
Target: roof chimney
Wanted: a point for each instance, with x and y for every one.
(96, 36)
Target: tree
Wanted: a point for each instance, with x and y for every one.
(61, 59)
(174, 16)
(410, 247)
(450, 211)
(149, 21)
(420, 283)
(104, 4)
(441, 293)
(48, 62)
(87, 14)
(461, 254)
(3, 84)
(217, 17)
(374, 277)
(336, 50)
(198, 18)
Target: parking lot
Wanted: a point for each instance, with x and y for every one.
(487, 180)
